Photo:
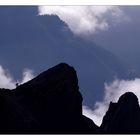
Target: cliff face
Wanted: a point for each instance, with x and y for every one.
(50, 103)
(123, 117)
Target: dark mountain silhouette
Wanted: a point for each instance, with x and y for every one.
(123, 117)
(50, 103)
(47, 41)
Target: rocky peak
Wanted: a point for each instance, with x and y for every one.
(129, 98)
(56, 86)
(123, 116)
(52, 103)
(49, 103)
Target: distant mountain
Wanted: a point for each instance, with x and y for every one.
(28, 40)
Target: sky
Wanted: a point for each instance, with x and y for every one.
(99, 23)
(101, 42)
(85, 19)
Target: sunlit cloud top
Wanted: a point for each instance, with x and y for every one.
(85, 19)
(7, 81)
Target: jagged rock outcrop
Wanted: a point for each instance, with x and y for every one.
(122, 117)
(50, 103)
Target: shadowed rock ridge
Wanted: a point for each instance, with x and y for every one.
(50, 103)
(123, 117)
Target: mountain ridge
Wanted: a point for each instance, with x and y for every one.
(51, 103)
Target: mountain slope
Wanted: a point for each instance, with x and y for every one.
(49, 104)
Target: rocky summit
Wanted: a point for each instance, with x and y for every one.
(123, 117)
(52, 104)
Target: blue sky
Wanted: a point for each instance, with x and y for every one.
(101, 42)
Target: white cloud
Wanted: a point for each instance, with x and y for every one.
(95, 115)
(27, 75)
(7, 81)
(118, 87)
(112, 93)
(84, 19)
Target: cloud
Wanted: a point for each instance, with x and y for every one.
(27, 75)
(93, 114)
(113, 91)
(7, 81)
(85, 19)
